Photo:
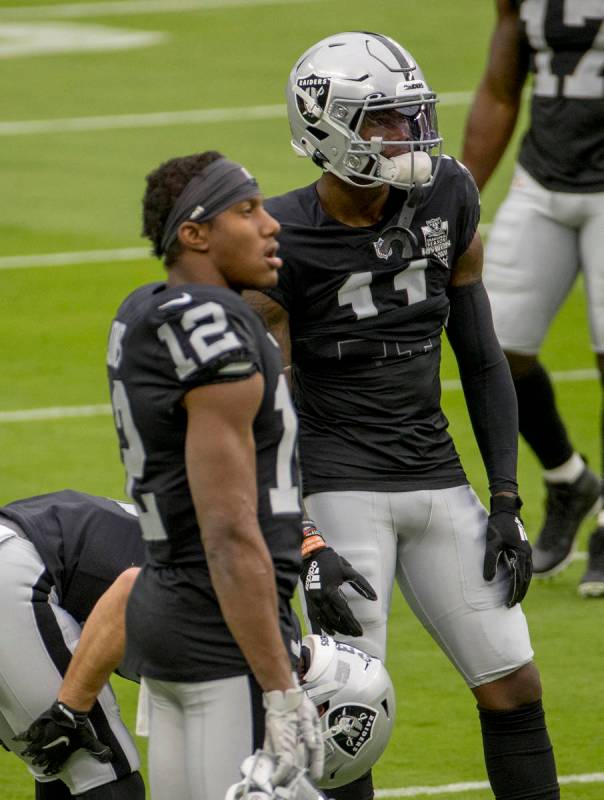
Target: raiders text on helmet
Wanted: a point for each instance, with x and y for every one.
(359, 106)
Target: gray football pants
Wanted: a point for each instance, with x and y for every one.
(539, 242)
(433, 543)
(38, 637)
(199, 733)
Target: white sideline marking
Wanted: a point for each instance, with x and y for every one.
(158, 119)
(474, 786)
(127, 7)
(102, 409)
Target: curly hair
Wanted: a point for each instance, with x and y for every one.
(164, 185)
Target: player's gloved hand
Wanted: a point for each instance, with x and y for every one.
(56, 734)
(506, 537)
(323, 572)
(293, 733)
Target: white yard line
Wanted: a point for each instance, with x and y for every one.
(55, 412)
(104, 409)
(74, 257)
(131, 7)
(475, 786)
(154, 119)
(159, 119)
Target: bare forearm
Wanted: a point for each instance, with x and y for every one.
(101, 646)
(244, 581)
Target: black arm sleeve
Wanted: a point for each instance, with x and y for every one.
(487, 383)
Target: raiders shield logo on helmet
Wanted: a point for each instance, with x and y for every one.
(313, 97)
(354, 724)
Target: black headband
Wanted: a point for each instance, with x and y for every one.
(221, 184)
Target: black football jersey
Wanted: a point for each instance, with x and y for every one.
(365, 325)
(84, 541)
(563, 148)
(163, 343)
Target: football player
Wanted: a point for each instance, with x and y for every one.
(548, 230)
(380, 255)
(208, 437)
(60, 553)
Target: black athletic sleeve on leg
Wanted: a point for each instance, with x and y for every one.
(487, 383)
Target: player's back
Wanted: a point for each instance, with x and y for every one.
(84, 541)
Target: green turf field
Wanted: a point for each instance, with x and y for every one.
(74, 186)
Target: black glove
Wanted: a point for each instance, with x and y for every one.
(56, 734)
(506, 537)
(323, 572)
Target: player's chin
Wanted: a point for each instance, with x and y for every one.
(264, 277)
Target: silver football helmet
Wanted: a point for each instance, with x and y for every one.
(355, 699)
(360, 107)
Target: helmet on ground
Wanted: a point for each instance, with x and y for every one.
(355, 699)
(359, 106)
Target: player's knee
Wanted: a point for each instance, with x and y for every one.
(517, 689)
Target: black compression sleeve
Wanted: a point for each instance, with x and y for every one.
(487, 383)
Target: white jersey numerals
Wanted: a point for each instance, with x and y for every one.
(586, 80)
(284, 497)
(356, 289)
(200, 337)
(133, 455)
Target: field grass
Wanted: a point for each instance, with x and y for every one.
(76, 191)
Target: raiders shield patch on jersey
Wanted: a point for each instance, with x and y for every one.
(354, 724)
(316, 90)
(436, 238)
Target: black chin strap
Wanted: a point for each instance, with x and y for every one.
(401, 232)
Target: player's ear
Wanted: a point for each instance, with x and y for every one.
(194, 235)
